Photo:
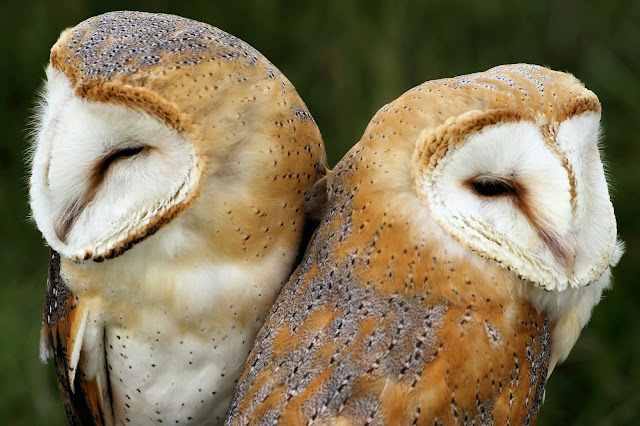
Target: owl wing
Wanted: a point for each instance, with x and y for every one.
(351, 343)
(64, 322)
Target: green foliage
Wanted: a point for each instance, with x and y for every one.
(347, 58)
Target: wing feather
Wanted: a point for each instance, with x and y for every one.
(64, 322)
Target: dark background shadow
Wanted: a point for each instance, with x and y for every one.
(347, 59)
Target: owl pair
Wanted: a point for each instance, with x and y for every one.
(462, 243)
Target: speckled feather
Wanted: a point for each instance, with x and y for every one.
(201, 81)
(388, 319)
(61, 320)
(258, 153)
(380, 325)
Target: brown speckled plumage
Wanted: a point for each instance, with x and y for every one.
(379, 325)
(388, 319)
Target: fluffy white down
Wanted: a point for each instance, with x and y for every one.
(498, 228)
(76, 135)
(593, 221)
(184, 355)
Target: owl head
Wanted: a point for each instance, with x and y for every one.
(510, 167)
(146, 116)
(506, 164)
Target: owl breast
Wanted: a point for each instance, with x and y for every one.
(167, 375)
(172, 355)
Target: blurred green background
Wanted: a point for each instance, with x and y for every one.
(347, 59)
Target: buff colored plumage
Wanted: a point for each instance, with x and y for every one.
(169, 174)
(464, 242)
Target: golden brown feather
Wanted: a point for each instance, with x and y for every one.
(392, 317)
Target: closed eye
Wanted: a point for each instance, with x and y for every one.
(492, 188)
(129, 152)
(121, 153)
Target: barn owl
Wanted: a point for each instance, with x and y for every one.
(170, 166)
(465, 240)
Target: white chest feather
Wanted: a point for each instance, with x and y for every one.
(168, 375)
(173, 336)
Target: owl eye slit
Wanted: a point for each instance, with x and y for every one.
(129, 152)
(492, 188)
(121, 153)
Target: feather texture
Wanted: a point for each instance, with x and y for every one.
(171, 165)
(453, 265)
(64, 321)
